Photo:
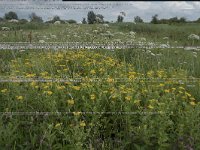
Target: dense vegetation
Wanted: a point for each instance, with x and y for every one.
(157, 96)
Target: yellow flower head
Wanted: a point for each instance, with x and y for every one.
(48, 92)
(92, 97)
(19, 97)
(110, 80)
(70, 102)
(150, 107)
(60, 87)
(82, 124)
(92, 71)
(192, 103)
(77, 88)
(161, 85)
(167, 91)
(77, 113)
(128, 98)
(58, 125)
(4, 90)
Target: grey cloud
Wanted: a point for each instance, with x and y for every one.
(145, 10)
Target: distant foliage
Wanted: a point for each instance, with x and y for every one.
(10, 15)
(154, 19)
(120, 18)
(137, 19)
(172, 20)
(1, 19)
(71, 21)
(84, 21)
(99, 18)
(23, 21)
(34, 18)
(91, 17)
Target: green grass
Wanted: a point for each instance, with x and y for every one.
(73, 32)
(174, 124)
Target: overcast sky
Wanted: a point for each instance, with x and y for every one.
(165, 9)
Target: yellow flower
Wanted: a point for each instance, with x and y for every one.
(181, 88)
(19, 97)
(110, 80)
(82, 124)
(167, 91)
(137, 102)
(173, 89)
(44, 73)
(161, 85)
(128, 98)
(46, 87)
(48, 92)
(105, 91)
(4, 90)
(66, 69)
(58, 125)
(180, 92)
(77, 88)
(60, 87)
(30, 75)
(192, 99)
(114, 97)
(188, 94)
(77, 113)
(68, 83)
(151, 107)
(92, 71)
(101, 70)
(192, 103)
(33, 84)
(92, 97)
(70, 102)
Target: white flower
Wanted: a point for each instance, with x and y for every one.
(132, 33)
(41, 41)
(166, 38)
(193, 37)
(53, 36)
(95, 31)
(106, 25)
(13, 20)
(153, 54)
(57, 22)
(143, 39)
(5, 28)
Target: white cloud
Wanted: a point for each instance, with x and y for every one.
(145, 10)
(178, 5)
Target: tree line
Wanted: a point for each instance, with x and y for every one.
(93, 18)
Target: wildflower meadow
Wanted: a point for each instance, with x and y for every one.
(130, 98)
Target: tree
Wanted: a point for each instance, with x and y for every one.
(10, 15)
(70, 21)
(99, 18)
(120, 18)
(56, 18)
(1, 19)
(84, 21)
(34, 18)
(182, 20)
(91, 17)
(173, 20)
(137, 19)
(154, 19)
(198, 20)
(23, 21)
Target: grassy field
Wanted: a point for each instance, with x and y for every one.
(176, 34)
(159, 93)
